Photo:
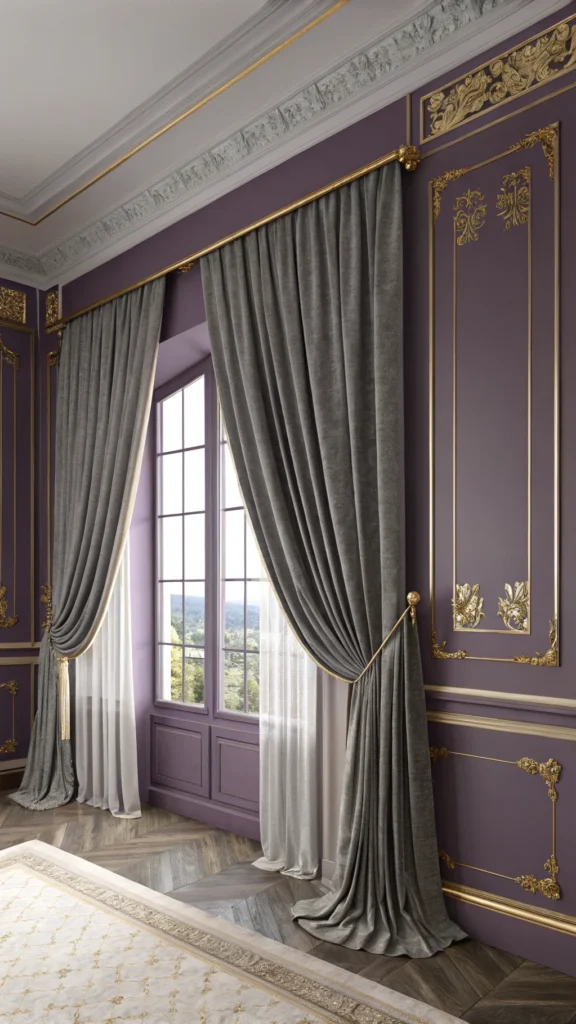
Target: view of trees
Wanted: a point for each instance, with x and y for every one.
(233, 659)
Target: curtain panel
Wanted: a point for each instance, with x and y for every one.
(105, 381)
(305, 320)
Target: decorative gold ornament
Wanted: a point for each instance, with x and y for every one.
(52, 308)
(9, 747)
(46, 598)
(514, 609)
(504, 78)
(440, 183)
(6, 622)
(469, 216)
(547, 138)
(549, 770)
(467, 606)
(13, 305)
(439, 650)
(436, 753)
(54, 356)
(550, 658)
(409, 157)
(447, 860)
(513, 200)
(10, 357)
(545, 886)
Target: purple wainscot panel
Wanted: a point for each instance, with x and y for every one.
(180, 754)
(235, 767)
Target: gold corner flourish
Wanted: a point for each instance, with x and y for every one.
(6, 621)
(550, 657)
(10, 357)
(440, 183)
(467, 606)
(469, 216)
(9, 746)
(436, 753)
(409, 157)
(513, 200)
(549, 770)
(514, 609)
(46, 598)
(439, 650)
(547, 137)
(447, 859)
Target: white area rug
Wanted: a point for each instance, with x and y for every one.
(81, 945)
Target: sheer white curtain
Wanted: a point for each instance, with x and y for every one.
(106, 760)
(289, 748)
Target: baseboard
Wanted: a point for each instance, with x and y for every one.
(553, 947)
(328, 868)
(230, 819)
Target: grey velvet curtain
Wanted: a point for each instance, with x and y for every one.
(105, 382)
(305, 319)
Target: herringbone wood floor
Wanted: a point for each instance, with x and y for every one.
(212, 869)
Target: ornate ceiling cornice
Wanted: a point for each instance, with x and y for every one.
(227, 164)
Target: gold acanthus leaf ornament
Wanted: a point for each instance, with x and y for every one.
(513, 200)
(9, 356)
(6, 622)
(545, 886)
(469, 216)
(547, 137)
(467, 606)
(436, 753)
(46, 598)
(550, 657)
(504, 78)
(447, 859)
(549, 770)
(514, 609)
(440, 183)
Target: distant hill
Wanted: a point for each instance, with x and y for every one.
(234, 612)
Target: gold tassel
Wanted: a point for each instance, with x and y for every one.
(64, 696)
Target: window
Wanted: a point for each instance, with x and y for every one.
(209, 568)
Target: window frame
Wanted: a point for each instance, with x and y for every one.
(214, 586)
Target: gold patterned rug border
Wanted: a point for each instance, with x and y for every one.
(316, 997)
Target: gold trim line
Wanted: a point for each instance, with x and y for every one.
(511, 908)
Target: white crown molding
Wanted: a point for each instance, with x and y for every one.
(445, 35)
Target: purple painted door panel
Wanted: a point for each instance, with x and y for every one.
(180, 754)
(235, 767)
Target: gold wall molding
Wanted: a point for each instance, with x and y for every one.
(513, 200)
(52, 307)
(514, 609)
(541, 916)
(555, 732)
(9, 746)
(469, 216)
(549, 771)
(13, 305)
(453, 693)
(547, 138)
(467, 606)
(539, 60)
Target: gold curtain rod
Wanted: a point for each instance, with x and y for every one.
(408, 156)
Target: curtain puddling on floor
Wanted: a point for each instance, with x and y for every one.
(305, 319)
(105, 382)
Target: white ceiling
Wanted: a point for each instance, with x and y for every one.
(86, 82)
(73, 68)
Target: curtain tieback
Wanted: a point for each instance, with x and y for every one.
(413, 599)
(63, 696)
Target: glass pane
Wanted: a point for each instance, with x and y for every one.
(233, 682)
(171, 423)
(170, 672)
(233, 616)
(253, 682)
(194, 414)
(194, 481)
(254, 567)
(195, 547)
(253, 598)
(233, 545)
(195, 613)
(193, 676)
(170, 467)
(171, 548)
(171, 626)
(231, 497)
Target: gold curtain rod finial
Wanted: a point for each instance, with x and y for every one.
(413, 599)
(409, 157)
